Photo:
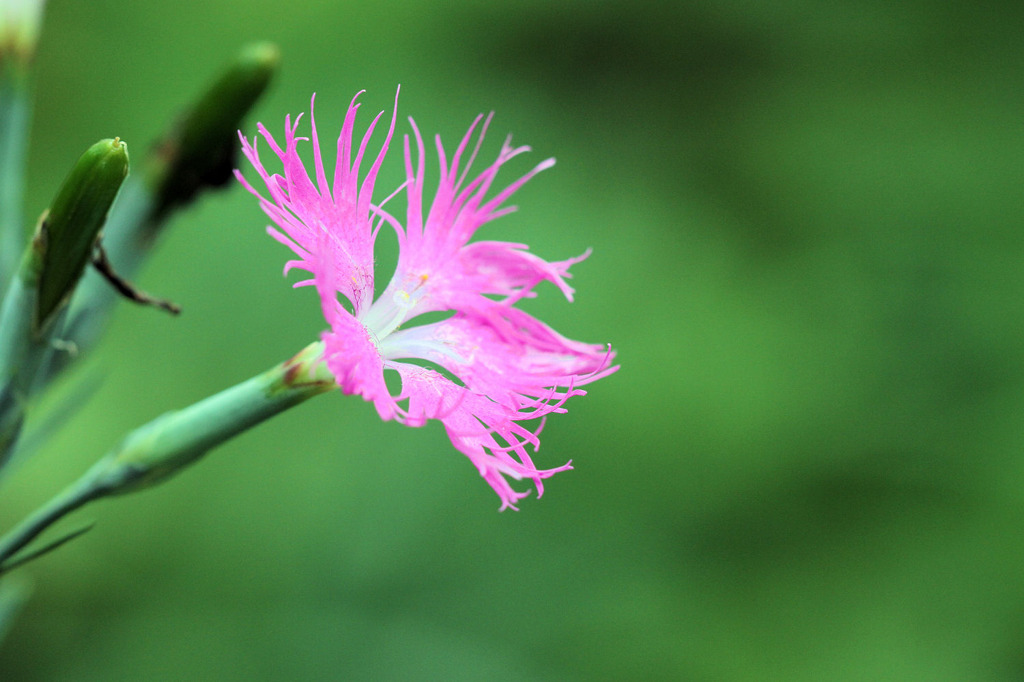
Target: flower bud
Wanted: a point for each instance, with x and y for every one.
(66, 236)
(200, 150)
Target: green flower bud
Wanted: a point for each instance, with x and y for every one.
(64, 241)
(200, 150)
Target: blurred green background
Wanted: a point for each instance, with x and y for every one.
(808, 240)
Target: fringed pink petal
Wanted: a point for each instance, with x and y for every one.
(500, 371)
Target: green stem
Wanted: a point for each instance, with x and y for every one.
(176, 439)
(15, 113)
(23, 350)
(163, 447)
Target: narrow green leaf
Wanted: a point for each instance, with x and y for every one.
(23, 559)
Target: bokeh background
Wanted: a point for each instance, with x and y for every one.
(808, 236)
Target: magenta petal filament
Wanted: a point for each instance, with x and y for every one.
(491, 373)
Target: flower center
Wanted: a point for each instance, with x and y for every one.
(389, 311)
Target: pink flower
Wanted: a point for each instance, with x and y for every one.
(485, 369)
